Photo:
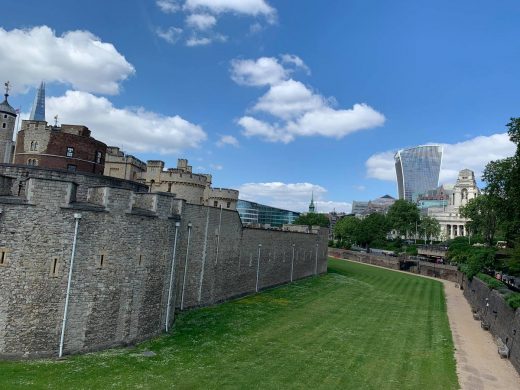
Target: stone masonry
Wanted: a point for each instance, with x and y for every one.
(124, 254)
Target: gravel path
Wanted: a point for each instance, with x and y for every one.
(478, 364)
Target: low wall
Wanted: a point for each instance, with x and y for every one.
(441, 271)
(367, 258)
(504, 322)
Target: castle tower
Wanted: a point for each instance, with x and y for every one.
(7, 123)
(38, 108)
(312, 208)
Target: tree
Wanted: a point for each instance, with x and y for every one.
(484, 214)
(403, 217)
(346, 229)
(312, 219)
(430, 227)
(372, 228)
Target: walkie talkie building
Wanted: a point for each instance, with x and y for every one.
(417, 170)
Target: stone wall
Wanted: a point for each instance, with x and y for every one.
(504, 322)
(124, 254)
(367, 258)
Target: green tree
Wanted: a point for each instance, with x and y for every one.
(346, 229)
(430, 227)
(484, 213)
(312, 219)
(372, 228)
(403, 217)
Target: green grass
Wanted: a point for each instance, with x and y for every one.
(358, 327)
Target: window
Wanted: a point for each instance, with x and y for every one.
(3, 125)
(102, 260)
(5, 116)
(32, 161)
(70, 151)
(140, 259)
(3, 256)
(54, 266)
(215, 203)
(71, 168)
(228, 205)
(99, 156)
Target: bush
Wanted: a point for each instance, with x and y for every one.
(513, 300)
(491, 282)
(412, 250)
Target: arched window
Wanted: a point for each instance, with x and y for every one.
(35, 145)
(32, 145)
(464, 194)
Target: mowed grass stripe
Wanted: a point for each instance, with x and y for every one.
(355, 327)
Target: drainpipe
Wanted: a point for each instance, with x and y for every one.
(77, 217)
(258, 265)
(292, 262)
(177, 225)
(316, 266)
(186, 265)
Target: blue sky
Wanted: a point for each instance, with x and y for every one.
(276, 98)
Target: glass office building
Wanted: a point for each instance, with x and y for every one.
(417, 170)
(256, 213)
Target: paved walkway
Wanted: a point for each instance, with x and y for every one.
(478, 364)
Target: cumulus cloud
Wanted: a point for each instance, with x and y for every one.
(201, 21)
(134, 129)
(297, 109)
(203, 41)
(473, 154)
(76, 58)
(291, 196)
(295, 60)
(246, 7)
(168, 6)
(227, 140)
(170, 35)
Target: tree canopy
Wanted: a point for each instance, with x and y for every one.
(312, 219)
(403, 217)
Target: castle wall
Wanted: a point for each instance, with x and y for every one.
(123, 258)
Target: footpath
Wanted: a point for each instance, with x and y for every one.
(479, 367)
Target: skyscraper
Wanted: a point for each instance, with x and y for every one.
(38, 108)
(417, 170)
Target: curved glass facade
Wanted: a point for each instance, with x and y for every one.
(256, 213)
(417, 170)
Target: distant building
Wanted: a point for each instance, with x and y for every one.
(435, 198)
(312, 207)
(334, 217)
(121, 165)
(452, 224)
(195, 188)
(252, 213)
(378, 205)
(417, 170)
(68, 147)
(7, 124)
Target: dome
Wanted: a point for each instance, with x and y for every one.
(5, 107)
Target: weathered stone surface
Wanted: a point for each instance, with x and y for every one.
(124, 253)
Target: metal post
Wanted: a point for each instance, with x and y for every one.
(258, 265)
(177, 225)
(186, 265)
(218, 234)
(316, 266)
(204, 251)
(77, 217)
(292, 262)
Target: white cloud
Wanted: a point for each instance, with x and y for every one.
(227, 140)
(134, 129)
(291, 196)
(295, 60)
(263, 71)
(77, 58)
(201, 21)
(303, 112)
(170, 35)
(168, 6)
(246, 7)
(203, 41)
(473, 154)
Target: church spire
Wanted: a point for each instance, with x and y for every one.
(38, 108)
(312, 208)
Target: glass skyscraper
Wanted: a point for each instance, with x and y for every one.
(256, 213)
(417, 170)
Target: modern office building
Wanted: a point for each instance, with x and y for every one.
(252, 213)
(417, 170)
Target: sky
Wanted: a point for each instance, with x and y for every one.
(280, 99)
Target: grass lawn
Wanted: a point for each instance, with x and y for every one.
(358, 327)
